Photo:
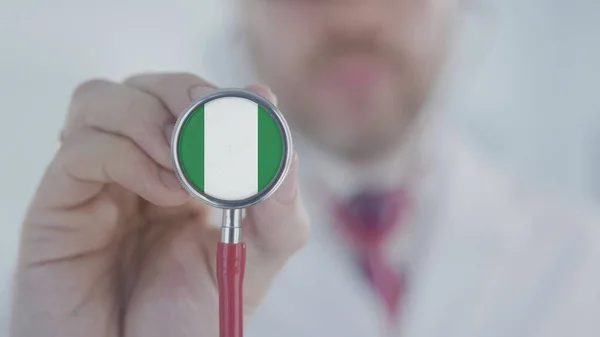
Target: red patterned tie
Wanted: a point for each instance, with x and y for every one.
(366, 220)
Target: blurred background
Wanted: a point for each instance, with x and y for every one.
(527, 90)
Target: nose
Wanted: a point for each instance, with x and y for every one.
(355, 17)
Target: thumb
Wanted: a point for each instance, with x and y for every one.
(273, 231)
(277, 227)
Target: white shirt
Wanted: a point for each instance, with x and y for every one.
(487, 258)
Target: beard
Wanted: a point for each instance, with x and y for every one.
(363, 144)
(322, 117)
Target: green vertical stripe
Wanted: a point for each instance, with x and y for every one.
(191, 148)
(270, 148)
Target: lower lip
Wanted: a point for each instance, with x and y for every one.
(354, 74)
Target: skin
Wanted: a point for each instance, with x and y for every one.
(111, 244)
(351, 75)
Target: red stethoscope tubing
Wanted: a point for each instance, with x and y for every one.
(231, 265)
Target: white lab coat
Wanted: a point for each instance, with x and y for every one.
(489, 258)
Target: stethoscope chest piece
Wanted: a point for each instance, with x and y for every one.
(231, 148)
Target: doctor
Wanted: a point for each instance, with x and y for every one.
(413, 233)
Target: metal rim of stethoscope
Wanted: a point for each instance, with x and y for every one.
(273, 185)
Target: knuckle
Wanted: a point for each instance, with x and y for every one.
(130, 166)
(128, 149)
(137, 108)
(108, 212)
(136, 78)
(163, 79)
(68, 155)
(138, 131)
(81, 95)
(89, 86)
(133, 77)
(86, 118)
(61, 158)
(141, 133)
(188, 77)
(178, 79)
(140, 163)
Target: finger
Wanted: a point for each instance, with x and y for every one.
(182, 280)
(175, 91)
(264, 91)
(278, 226)
(89, 159)
(119, 109)
(273, 231)
(65, 280)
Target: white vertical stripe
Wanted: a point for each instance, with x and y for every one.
(231, 148)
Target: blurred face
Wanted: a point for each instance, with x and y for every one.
(349, 74)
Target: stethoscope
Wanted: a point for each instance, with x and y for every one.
(232, 149)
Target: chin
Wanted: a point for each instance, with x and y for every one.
(358, 145)
(360, 128)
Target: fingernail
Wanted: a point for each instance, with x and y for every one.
(264, 91)
(289, 189)
(273, 97)
(169, 180)
(199, 91)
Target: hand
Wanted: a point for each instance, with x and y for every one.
(113, 246)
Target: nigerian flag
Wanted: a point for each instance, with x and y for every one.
(230, 148)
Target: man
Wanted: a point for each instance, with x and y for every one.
(412, 233)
